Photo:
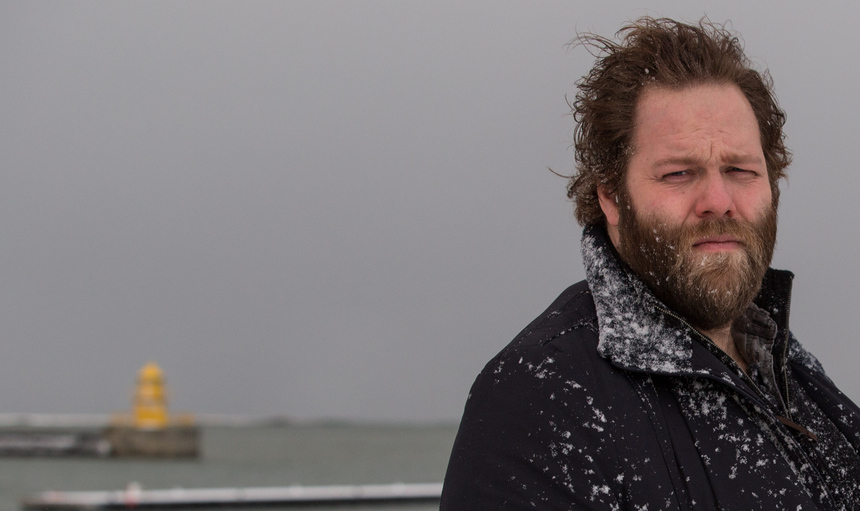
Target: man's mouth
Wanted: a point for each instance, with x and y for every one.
(721, 243)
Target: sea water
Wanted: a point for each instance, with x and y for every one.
(252, 456)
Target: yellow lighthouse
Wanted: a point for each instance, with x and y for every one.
(149, 431)
(150, 399)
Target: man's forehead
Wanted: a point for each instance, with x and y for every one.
(685, 125)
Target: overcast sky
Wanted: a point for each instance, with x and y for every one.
(343, 209)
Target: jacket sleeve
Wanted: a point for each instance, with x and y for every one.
(534, 435)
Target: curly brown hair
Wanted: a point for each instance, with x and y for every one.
(658, 53)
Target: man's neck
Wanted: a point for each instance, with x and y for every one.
(722, 338)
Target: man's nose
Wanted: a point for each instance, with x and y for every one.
(714, 197)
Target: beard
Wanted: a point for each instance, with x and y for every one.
(710, 290)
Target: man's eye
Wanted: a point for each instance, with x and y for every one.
(742, 172)
(676, 175)
(738, 169)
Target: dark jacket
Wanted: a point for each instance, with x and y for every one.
(609, 400)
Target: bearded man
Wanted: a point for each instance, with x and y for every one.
(669, 378)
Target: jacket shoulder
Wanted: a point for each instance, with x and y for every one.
(843, 412)
(798, 355)
(573, 310)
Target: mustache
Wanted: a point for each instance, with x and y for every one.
(744, 232)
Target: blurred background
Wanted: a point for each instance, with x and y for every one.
(342, 210)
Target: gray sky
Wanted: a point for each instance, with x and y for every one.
(343, 209)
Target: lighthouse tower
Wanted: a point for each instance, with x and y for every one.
(150, 399)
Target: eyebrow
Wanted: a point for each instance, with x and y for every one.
(732, 159)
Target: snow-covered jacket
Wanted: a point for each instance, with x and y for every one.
(609, 400)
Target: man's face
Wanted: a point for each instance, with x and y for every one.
(695, 218)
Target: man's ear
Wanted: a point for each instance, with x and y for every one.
(609, 206)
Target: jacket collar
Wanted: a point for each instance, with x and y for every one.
(638, 332)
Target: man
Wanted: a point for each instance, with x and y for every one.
(669, 378)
